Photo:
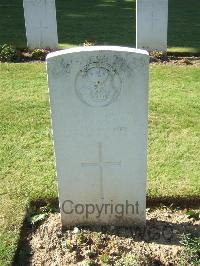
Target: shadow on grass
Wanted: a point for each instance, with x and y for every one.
(184, 25)
(109, 22)
(97, 21)
(113, 23)
(155, 231)
(12, 26)
(182, 202)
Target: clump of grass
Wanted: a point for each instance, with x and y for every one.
(193, 215)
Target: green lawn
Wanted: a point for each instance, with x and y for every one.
(26, 162)
(174, 131)
(104, 22)
(27, 169)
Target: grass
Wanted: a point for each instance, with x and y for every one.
(190, 254)
(104, 22)
(27, 170)
(26, 154)
(174, 146)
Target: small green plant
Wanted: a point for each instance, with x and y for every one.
(7, 53)
(190, 253)
(105, 258)
(193, 215)
(81, 238)
(39, 54)
(37, 218)
(69, 246)
(34, 216)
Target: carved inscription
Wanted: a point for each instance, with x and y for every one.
(98, 84)
(100, 164)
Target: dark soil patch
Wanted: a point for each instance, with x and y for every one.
(26, 55)
(178, 61)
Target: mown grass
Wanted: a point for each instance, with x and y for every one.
(27, 170)
(104, 22)
(26, 154)
(174, 131)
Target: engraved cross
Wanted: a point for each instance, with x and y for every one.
(100, 164)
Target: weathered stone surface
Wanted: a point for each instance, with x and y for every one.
(41, 24)
(151, 24)
(98, 99)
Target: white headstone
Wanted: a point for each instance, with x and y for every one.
(98, 99)
(151, 24)
(41, 24)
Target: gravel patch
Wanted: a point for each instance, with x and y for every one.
(155, 244)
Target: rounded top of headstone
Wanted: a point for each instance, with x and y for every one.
(97, 48)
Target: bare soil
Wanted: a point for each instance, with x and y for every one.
(178, 61)
(162, 59)
(155, 244)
